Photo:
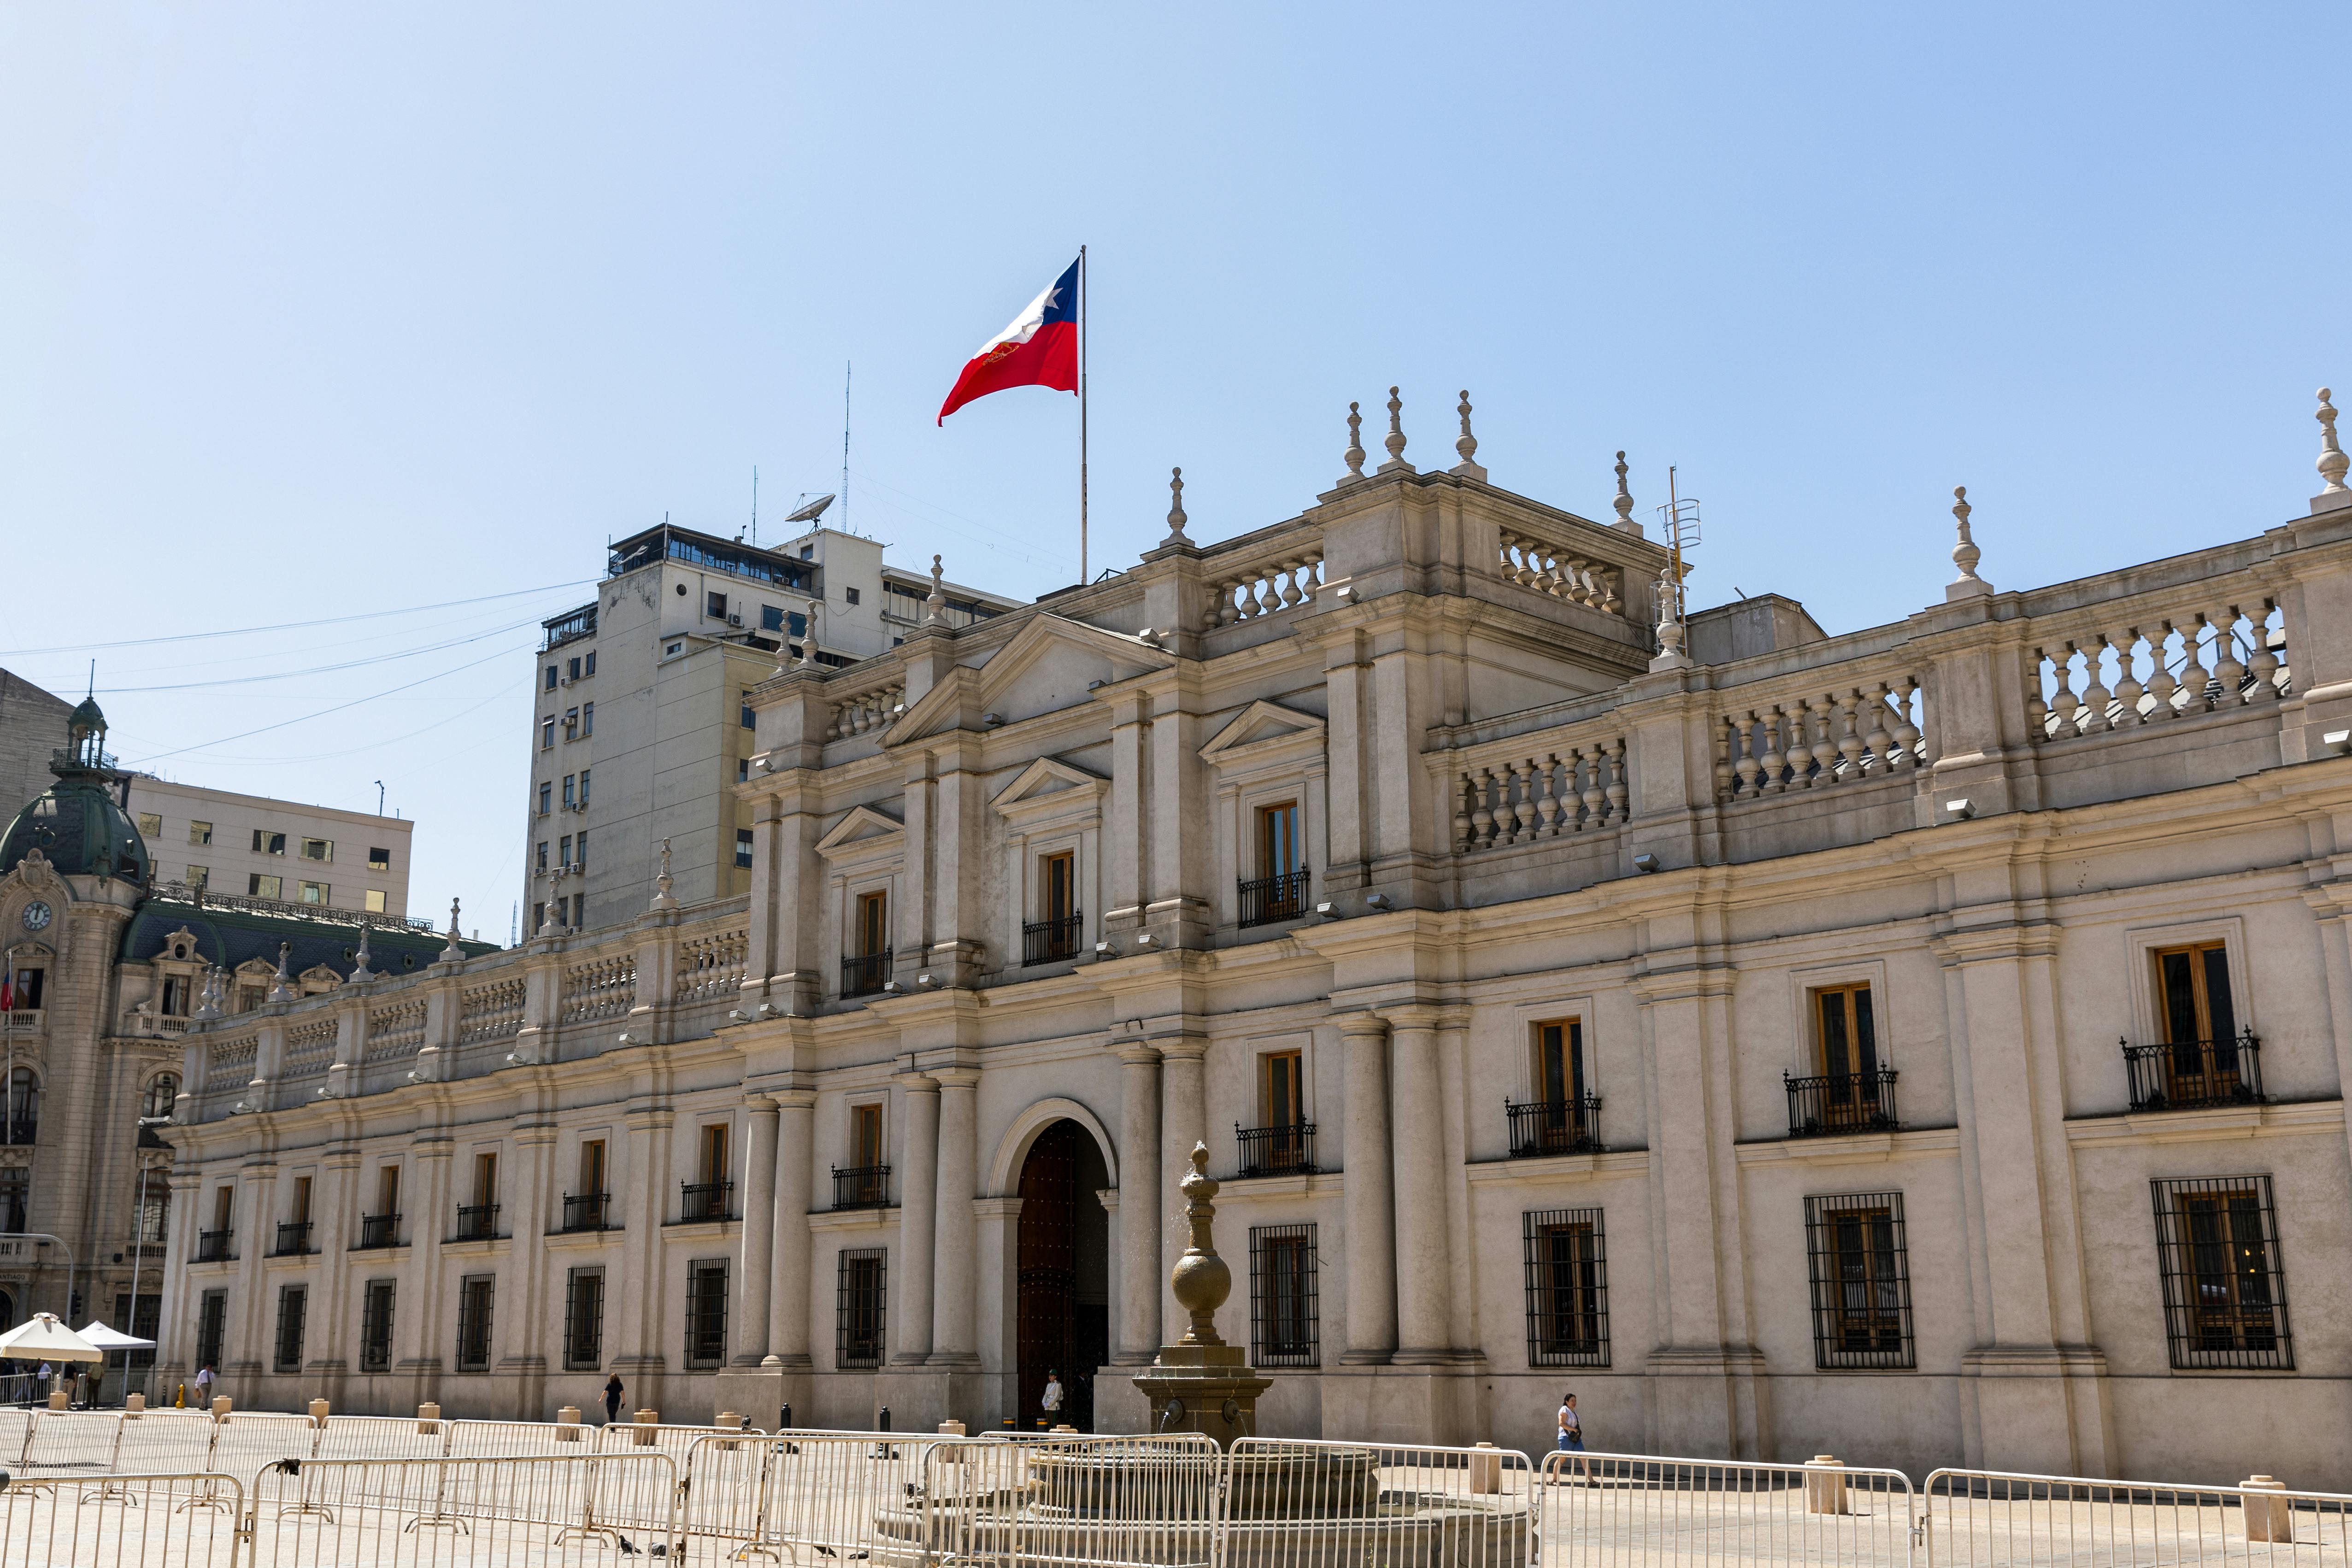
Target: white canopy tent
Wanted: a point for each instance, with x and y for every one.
(42, 1338)
(106, 1338)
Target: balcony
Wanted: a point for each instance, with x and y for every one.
(1276, 1151)
(861, 1187)
(700, 1200)
(2196, 1075)
(862, 976)
(1050, 941)
(1267, 899)
(1840, 1103)
(293, 1239)
(377, 1230)
(587, 1211)
(22, 1020)
(24, 1132)
(1540, 1127)
(212, 1246)
(476, 1222)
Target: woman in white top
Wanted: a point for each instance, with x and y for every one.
(1571, 1434)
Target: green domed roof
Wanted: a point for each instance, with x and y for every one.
(78, 825)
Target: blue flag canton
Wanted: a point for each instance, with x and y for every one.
(1062, 304)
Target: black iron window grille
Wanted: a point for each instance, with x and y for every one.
(705, 1312)
(864, 975)
(375, 1326)
(858, 1308)
(1050, 941)
(2224, 1286)
(583, 1320)
(1554, 1127)
(1861, 1281)
(587, 1211)
(476, 1295)
(1567, 1263)
(1276, 1151)
(861, 1187)
(2195, 1074)
(212, 1246)
(1837, 1102)
(706, 1200)
(378, 1231)
(293, 1306)
(1284, 1328)
(293, 1239)
(478, 1222)
(212, 1326)
(1267, 899)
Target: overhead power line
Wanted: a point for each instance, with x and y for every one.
(304, 718)
(288, 625)
(330, 669)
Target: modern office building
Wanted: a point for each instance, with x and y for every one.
(249, 846)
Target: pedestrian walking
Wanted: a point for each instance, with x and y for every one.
(612, 1391)
(1052, 1400)
(204, 1387)
(1571, 1434)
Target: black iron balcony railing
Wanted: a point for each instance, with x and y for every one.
(862, 976)
(1046, 941)
(861, 1187)
(588, 1211)
(476, 1222)
(293, 1239)
(1276, 1151)
(1267, 899)
(378, 1231)
(212, 1245)
(1554, 1127)
(706, 1200)
(1838, 1102)
(2194, 1074)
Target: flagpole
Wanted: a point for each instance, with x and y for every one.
(1082, 415)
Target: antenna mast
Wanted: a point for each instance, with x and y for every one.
(755, 504)
(845, 368)
(1680, 517)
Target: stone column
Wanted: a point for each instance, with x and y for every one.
(1183, 1122)
(1417, 1147)
(1461, 1254)
(1368, 1216)
(527, 1219)
(954, 1338)
(788, 1294)
(757, 1268)
(643, 1201)
(1139, 1194)
(919, 1197)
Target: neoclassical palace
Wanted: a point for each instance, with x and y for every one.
(1926, 1044)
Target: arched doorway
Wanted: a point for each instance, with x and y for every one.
(1063, 1307)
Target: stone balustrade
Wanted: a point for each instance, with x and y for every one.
(1548, 568)
(2123, 669)
(603, 987)
(867, 711)
(491, 1011)
(1820, 737)
(1276, 583)
(395, 1030)
(1541, 792)
(711, 967)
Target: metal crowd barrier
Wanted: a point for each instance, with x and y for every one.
(1600, 1510)
(1327, 1504)
(62, 1521)
(497, 1512)
(1988, 1518)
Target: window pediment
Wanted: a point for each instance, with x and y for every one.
(1044, 667)
(1265, 734)
(865, 834)
(1049, 791)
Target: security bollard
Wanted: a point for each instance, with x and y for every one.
(428, 1418)
(1825, 1485)
(319, 1408)
(647, 1421)
(221, 1407)
(567, 1423)
(1487, 1469)
(2267, 1518)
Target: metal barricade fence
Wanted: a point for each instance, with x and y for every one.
(1596, 1510)
(381, 1438)
(163, 1442)
(844, 1496)
(483, 1439)
(725, 1486)
(1988, 1518)
(62, 1521)
(1322, 1504)
(71, 1440)
(16, 1431)
(1076, 1500)
(245, 1440)
(485, 1512)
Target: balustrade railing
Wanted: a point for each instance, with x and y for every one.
(1547, 568)
(293, 1239)
(1268, 586)
(395, 1030)
(1047, 941)
(711, 965)
(2195, 1074)
(476, 1222)
(1839, 1103)
(587, 1211)
(1267, 899)
(861, 1187)
(1812, 739)
(700, 1200)
(1276, 1151)
(1541, 1127)
(493, 1011)
(1548, 792)
(600, 988)
(2129, 669)
(863, 975)
(377, 1230)
(867, 711)
(212, 1246)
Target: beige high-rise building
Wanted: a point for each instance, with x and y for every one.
(643, 727)
(250, 846)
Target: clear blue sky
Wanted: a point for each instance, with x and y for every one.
(307, 311)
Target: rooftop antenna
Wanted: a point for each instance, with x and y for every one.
(1679, 517)
(845, 368)
(755, 505)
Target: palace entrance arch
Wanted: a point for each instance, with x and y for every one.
(1062, 1300)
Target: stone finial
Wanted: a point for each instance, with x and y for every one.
(1624, 501)
(1176, 518)
(208, 997)
(1355, 452)
(1395, 439)
(935, 603)
(550, 922)
(281, 984)
(808, 638)
(1200, 1279)
(363, 972)
(452, 953)
(1467, 444)
(663, 898)
(1670, 626)
(1964, 554)
(2332, 461)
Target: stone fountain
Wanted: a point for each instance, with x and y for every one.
(1200, 1383)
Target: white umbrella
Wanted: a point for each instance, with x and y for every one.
(43, 1338)
(105, 1338)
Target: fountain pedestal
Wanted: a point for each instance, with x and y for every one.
(1200, 1383)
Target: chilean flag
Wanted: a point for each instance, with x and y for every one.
(1039, 349)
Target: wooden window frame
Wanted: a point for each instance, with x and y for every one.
(1570, 1242)
(1285, 1327)
(378, 1300)
(476, 1307)
(583, 1318)
(862, 1113)
(2209, 1272)
(861, 1318)
(293, 1325)
(1857, 1256)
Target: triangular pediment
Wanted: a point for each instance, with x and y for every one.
(863, 829)
(1261, 728)
(1049, 665)
(1049, 784)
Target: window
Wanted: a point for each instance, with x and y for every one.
(475, 1294)
(714, 1152)
(1853, 1093)
(572, 668)
(200, 832)
(588, 662)
(150, 825)
(376, 900)
(1054, 932)
(551, 677)
(539, 911)
(542, 854)
(1560, 1118)
(27, 998)
(378, 860)
(145, 1317)
(579, 912)
(2224, 1288)
(583, 788)
(705, 1312)
(851, 593)
(1568, 1288)
(580, 851)
(873, 922)
(744, 715)
(2200, 1023)
(714, 605)
(375, 1326)
(587, 720)
(546, 797)
(24, 1106)
(313, 892)
(1277, 839)
(869, 963)
(563, 851)
(269, 843)
(1277, 891)
(1283, 1141)
(302, 1204)
(583, 1320)
(199, 877)
(163, 1095)
(547, 734)
(770, 618)
(154, 1198)
(260, 886)
(858, 1308)
(293, 1302)
(673, 647)
(175, 995)
(322, 850)
(743, 770)
(212, 1322)
(1861, 1281)
(1282, 1328)
(571, 724)
(743, 847)
(223, 1205)
(15, 1196)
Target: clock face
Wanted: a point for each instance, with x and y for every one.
(36, 916)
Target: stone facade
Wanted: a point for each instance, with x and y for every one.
(1925, 1044)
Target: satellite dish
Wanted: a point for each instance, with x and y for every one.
(811, 512)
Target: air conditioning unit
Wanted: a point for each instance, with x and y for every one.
(734, 620)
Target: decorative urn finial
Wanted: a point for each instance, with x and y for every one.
(1176, 518)
(935, 605)
(1355, 452)
(663, 898)
(1467, 444)
(1624, 501)
(281, 985)
(452, 953)
(363, 972)
(1200, 1279)
(2332, 461)
(808, 638)
(1395, 439)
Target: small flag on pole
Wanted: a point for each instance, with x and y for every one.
(1040, 349)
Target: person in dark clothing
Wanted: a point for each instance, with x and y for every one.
(612, 1391)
